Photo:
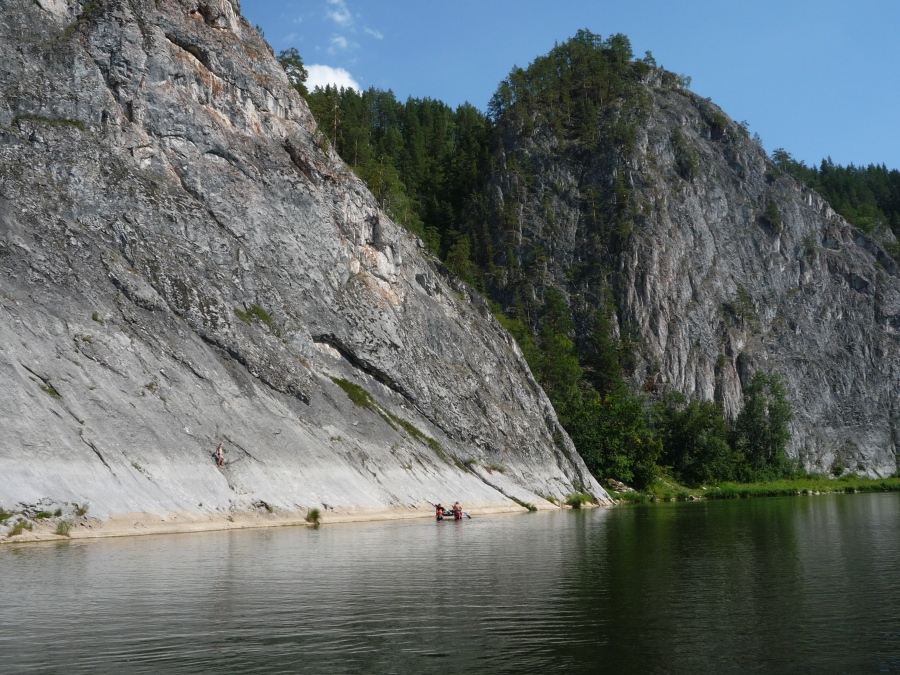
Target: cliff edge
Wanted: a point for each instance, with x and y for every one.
(185, 261)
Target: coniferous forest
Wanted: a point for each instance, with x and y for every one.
(434, 170)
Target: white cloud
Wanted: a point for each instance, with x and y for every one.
(374, 33)
(339, 13)
(290, 37)
(320, 75)
(338, 43)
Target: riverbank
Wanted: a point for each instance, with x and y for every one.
(667, 490)
(141, 524)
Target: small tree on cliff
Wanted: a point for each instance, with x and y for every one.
(292, 63)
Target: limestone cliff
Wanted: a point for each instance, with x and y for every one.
(718, 265)
(184, 261)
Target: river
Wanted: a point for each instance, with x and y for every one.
(805, 584)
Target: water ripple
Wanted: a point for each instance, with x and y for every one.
(772, 585)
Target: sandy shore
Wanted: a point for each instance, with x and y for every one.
(141, 524)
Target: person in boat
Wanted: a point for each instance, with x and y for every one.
(439, 511)
(220, 456)
(457, 511)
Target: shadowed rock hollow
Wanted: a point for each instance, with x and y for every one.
(184, 261)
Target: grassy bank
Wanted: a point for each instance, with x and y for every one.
(667, 490)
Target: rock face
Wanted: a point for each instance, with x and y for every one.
(184, 261)
(731, 267)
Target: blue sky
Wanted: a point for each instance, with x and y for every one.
(817, 78)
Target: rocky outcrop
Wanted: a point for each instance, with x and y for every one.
(185, 261)
(722, 266)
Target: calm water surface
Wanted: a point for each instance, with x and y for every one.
(767, 585)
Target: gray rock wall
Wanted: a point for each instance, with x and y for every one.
(822, 299)
(185, 261)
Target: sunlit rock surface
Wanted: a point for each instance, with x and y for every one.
(184, 261)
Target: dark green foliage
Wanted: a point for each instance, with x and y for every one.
(602, 358)
(809, 243)
(523, 335)
(742, 307)
(613, 435)
(761, 432)
(838, 466)
(41, 515)
(868, 197)
(695, 440)
(459, 258)
(463, 180)
(772, 216)
(608, 424)
(558, 369)
(314, 517)
(421, 159)
(687, 162)
(567, 89)
(719, 124)
(293, 66)
(893, 248)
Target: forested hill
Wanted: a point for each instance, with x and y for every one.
(676, 292)
(869, 197)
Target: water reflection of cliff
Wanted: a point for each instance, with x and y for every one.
(775, 585)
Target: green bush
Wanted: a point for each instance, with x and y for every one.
(363, 399)
(50, 121)
(50, 389)
(523, 504)
(578, 499)
(63, 527)
(20, 526)
(314, 516)
(772, 215)
(838, 466)
(687, 161)
(261, 315)
(360, 397)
